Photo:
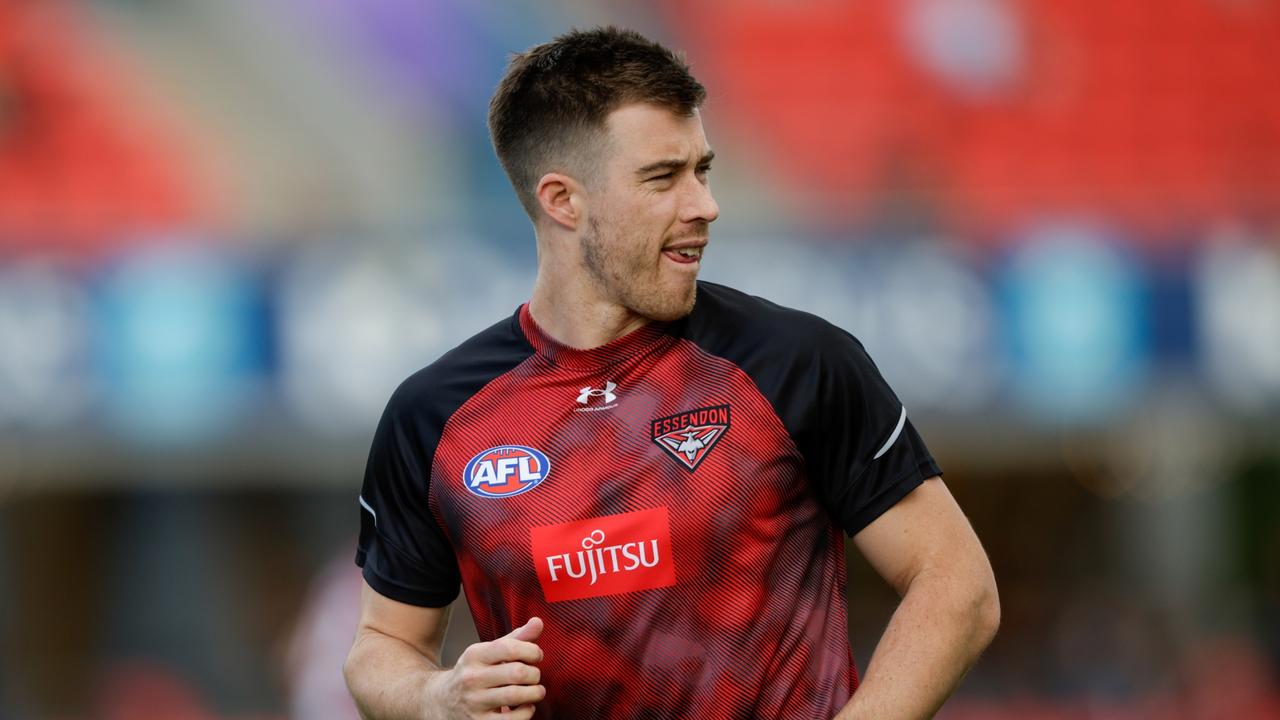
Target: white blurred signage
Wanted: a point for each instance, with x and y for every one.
(354, 324)
(1238, 322)
(44, 380)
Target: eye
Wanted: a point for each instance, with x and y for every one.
(663, 176)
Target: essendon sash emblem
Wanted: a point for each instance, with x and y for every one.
(689, 436)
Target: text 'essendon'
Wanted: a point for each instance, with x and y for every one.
(717, 415)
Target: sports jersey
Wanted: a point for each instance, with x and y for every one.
(672, 504)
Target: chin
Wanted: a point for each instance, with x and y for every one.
(671, 309)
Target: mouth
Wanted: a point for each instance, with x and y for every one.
(685, 253)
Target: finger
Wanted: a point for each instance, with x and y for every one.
(503, 674)
(504, 649)
(529, 631)
(524, 712)
(512, 696)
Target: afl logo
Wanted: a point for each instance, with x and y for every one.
(505, 471)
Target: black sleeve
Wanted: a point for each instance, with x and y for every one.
(861, 451)
(402, 549)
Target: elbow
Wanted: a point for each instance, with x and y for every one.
(354, 672)
(349, 671)
(986, 614)
(351, 667)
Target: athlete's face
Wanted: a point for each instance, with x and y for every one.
(648, 218)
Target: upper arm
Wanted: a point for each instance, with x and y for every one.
(862, 453)
(402, 546)
(924, 532)
(421, 627)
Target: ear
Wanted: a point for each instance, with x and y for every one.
(560, 197)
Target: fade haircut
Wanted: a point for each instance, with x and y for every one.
(548, 113)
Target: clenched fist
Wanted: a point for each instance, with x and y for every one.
(498, 679)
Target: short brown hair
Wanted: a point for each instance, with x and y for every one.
(554, 96)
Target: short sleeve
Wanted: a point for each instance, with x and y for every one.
(404, 553)
(862, 452)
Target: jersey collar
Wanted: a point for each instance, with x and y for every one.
(627, 347)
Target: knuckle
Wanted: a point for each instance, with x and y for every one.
(521, 674)
(524, 694)
(469, 677)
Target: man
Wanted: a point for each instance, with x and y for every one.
(642, 481)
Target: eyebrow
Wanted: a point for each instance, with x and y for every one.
(674, 164)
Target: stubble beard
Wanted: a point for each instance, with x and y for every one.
(629, 280)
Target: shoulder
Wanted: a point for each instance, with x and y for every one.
(438, 389)
(738, 326)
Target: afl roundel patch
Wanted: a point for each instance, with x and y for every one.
(505, 470)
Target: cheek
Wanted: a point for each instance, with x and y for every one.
(655, 216)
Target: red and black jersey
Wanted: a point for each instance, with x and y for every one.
(672, 504)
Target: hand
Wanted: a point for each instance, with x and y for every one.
(494, 679)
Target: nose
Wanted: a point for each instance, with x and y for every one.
(700, 206)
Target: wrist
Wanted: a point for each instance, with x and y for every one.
(433, 693)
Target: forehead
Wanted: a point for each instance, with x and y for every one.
(641, 133)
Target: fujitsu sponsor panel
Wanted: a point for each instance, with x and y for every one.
(606, 555)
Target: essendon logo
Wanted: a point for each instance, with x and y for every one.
(690, 436)
(605, 555)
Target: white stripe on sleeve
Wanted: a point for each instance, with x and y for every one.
(902, 420)
(365, 505)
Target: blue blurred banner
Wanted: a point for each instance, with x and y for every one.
(179, 343)
(176, 343)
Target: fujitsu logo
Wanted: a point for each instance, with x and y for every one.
(596, 560)
(604, 555)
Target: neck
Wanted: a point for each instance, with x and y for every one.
(568, 307)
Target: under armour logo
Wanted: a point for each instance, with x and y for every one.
(585, 395)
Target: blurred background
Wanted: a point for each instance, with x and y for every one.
(229, 229)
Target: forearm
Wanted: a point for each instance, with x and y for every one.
(937, 632)
(389, 678)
